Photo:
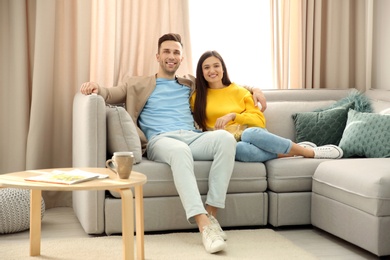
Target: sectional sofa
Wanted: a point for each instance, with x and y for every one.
(349, 198)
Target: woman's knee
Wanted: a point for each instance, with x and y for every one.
(253, 132)
(246, 152)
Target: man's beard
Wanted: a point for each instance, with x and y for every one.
(170, 72)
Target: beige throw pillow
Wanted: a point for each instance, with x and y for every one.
(122, 134)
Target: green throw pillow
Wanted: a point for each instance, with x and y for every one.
(323, 127)
(366, 135)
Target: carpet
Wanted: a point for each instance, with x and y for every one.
(242, 244)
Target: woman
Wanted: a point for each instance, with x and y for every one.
(218, 103)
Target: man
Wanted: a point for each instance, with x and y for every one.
(160, 106)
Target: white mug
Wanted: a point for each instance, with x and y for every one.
(122, 164)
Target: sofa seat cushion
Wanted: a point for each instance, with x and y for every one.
(291, 174)
(360, 183)
(246, 178)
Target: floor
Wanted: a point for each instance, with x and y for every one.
(62, 222)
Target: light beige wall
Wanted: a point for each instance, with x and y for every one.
(381, 45)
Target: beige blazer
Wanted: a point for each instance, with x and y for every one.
(134, 92)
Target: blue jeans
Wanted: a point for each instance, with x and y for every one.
(180, 149)
(259, 145)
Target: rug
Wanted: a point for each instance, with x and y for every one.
(242, 244)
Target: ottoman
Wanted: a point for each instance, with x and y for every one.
(351, 199)
(15, 210)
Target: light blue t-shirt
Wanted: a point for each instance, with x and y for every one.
(167, 109)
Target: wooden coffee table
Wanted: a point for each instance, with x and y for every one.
(136, 180)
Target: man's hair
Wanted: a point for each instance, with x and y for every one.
(169, 37)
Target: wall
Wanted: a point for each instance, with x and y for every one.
(381, 45)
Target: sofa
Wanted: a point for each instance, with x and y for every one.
(349, 197)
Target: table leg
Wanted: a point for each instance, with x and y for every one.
(35, 222)
(139, 222)
(127, 223)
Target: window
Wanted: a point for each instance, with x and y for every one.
(240, 32)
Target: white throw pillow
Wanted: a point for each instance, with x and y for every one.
(122, 134)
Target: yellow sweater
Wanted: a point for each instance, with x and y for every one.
(232, 99)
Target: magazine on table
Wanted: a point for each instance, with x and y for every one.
(66, 177)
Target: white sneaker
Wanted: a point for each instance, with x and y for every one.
(217, 227)
(212, 242)
(329, 151)
(307, 144)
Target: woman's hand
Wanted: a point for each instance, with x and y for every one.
(88, 88)
(224, 120)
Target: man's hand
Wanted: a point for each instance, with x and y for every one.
(259, 99)
(88, 88)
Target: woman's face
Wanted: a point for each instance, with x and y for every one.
(212, 70)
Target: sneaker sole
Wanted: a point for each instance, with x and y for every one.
(217, 249)
(341, 153)
(292, 157)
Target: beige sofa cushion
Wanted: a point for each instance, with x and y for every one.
(291, 174)
(360, 183)
(246, 178)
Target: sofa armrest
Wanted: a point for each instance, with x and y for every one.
(89, 150)
(89, 131)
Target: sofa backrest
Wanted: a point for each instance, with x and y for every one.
(282, 104)
(380, 100)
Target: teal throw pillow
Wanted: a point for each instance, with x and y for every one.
(322, 127)
(366, 135)
(362, 103)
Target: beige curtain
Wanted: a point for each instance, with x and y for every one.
(124, 35)
(320, 43)
(49, 48)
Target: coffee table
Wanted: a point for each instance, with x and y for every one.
(136, 180)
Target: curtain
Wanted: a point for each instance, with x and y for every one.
(320, 43)
(124, 37)
(49, 48)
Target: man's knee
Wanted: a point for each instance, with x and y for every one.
(169, 148)
(223, 135)
(225, 139)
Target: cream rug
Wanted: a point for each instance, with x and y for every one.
(242, 244)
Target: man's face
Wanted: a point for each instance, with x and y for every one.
(169, 57)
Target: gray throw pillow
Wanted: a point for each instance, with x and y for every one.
(366, 135)
(122, 134)
(323, 127)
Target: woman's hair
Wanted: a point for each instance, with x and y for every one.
(202, 86)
